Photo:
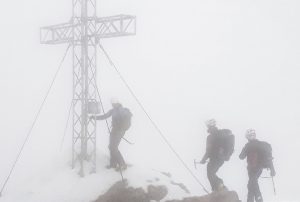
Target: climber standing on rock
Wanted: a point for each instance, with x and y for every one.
(259, 156)
(219, 148)
(121, 122)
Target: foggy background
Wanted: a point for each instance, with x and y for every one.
(190, 61)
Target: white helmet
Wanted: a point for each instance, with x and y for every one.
(250, 134)
(211, 123)
(114, 101)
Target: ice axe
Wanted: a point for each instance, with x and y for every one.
(196, 162)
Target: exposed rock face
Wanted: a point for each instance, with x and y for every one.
(224, 196)
(120, 192)
(181, 186)
(157, 193)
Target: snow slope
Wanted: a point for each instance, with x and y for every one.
(57, 182)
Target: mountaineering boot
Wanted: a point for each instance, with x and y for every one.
(121, 167)
(259, 199)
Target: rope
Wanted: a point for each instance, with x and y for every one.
(66, 127)
(151, 120)
(35, 120)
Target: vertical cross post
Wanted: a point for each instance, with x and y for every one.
(84, 83)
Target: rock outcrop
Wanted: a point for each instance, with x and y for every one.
(120, 192)
(223, 196)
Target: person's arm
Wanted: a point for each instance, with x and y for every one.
(104, 116)
(243, 154)
(273, 173)
(208, 150)
(271, 166)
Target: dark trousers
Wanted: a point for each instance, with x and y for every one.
(253, 187)
(116, 157)
(212, 169)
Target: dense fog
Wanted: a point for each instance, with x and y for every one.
(190, 61)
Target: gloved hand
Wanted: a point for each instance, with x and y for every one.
(203, 161)
(92, 117)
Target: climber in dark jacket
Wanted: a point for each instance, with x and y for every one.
(116, 134)
(255, 165)
(215, 155)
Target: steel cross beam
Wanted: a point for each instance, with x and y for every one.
(106, 27)
(83, 32)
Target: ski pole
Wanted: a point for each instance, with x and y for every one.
(273, 185)
(121, 174)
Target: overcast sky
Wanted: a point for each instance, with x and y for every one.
(235, 61)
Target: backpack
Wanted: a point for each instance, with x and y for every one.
(227, 143)
(123, 119)
(264, 154)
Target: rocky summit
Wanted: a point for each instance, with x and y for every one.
(121, 192)
(222, 196)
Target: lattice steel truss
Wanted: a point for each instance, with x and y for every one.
(83, 33)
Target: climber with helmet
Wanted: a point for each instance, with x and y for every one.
(214, 154)
(121, 121)
(259, 156)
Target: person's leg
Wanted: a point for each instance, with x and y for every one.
(250, 196)
(251, 185)
(116, 156)
(210, 175)
(218, 180)
(257, 193)
(212, 168)
(113, 148)
(119, 156)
